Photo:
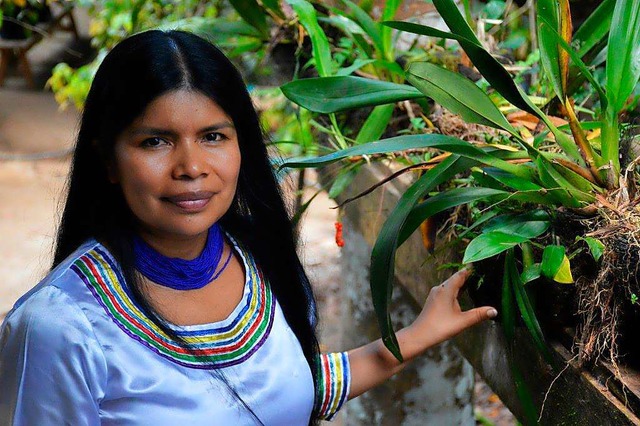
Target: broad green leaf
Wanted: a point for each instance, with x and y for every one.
(510, 180)
(555, 264)
(489, 244)
(594, 28)
(528, 191)
(496, 75)
(319, 43)
(564, 273)
(400, 143)
(375, 125)
(530, 224)
(458, 94)
(547, 13)
(444, 201)
(335, 94)
(251, 12)
(384, 249)
(623, 58)
(531, 273)
(524, 306)
(596, 247)
(489, 67)
(343, 180)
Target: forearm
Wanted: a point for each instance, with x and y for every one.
(440, 319)
(372, 364)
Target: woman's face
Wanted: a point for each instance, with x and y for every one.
(178, 166)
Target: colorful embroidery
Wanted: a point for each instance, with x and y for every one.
(333, 383)
(212, 347)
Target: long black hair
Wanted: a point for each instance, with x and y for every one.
(138, 70)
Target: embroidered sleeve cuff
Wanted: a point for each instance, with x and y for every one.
(334, 381)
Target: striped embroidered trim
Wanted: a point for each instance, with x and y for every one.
(333, 384)
(223, 344)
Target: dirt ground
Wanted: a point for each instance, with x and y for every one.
(35, 140)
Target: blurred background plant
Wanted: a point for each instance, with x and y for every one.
(18, 17)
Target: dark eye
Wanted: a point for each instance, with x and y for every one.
(214, 137)
(153, 142)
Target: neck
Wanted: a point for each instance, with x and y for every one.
(180, 247)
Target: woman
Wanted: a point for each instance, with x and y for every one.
(176, 293)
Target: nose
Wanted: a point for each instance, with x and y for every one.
(190, 162)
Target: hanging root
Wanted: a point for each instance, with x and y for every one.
(604, 300)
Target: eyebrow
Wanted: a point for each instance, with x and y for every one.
(168, 132)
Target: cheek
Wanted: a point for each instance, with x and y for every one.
(138, 178)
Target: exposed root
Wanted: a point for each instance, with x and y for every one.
(604, 300)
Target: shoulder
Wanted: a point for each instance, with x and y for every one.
(53, 312)
(64, 280)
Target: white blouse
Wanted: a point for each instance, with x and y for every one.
(77, 350)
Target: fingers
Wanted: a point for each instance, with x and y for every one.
(456, 281)
(477, 315)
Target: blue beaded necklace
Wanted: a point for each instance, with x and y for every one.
(181, 274)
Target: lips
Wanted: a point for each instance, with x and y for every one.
(190, 201)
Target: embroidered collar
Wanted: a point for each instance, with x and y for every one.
(215, 345)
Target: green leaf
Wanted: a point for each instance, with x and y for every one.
(400, 143)
(555, 264)
(335, 94)
(319, 43)
(384, 249)
(530, 224)
(449, 12)
(489, 244)
(357, 64)
(458, 94)
(531, 273)
(526, 309)
(564, 273)
(370, 27)
(547, 12)
(388, 13)
(507, 304)
(623, 57)
(594, 28)
(489, 67)
(375, 125)
(251, 12)
(566, 193)
(596, 247)
(444, 201)
(553, 35)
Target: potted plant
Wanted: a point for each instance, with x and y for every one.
(552, 200)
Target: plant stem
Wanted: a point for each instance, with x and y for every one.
(610, 145)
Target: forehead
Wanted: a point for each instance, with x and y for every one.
(182, 109)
